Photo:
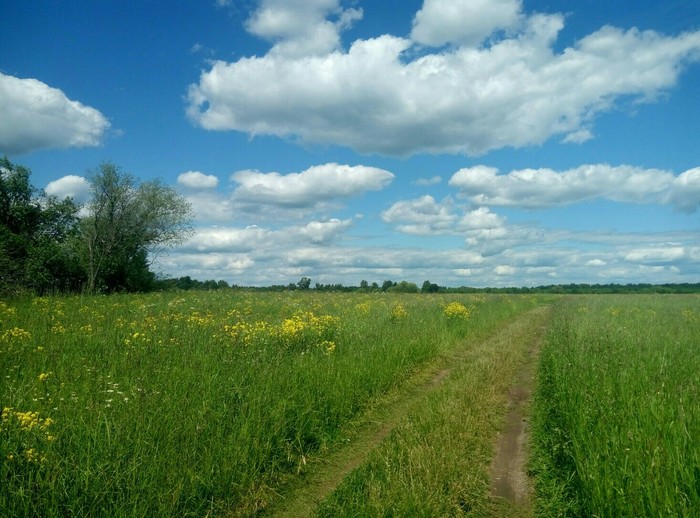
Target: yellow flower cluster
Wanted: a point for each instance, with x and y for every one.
(197, 319)
(398, 312)
(26, 423)
(305, 329)
(456, 310)
(363, 307)
(245, 333)
(6, 311)
(690, 315)
(15, 334)
(297, 332)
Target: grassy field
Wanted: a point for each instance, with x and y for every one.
(617, 416)
(202, 403)
(235, 403)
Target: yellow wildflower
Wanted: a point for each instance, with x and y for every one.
(456, 309)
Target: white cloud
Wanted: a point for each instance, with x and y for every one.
(314, 185)
(504, 269)
(72, 186)
(539, 188)
(36, 116)
(421, 216)
(210, 206)
(595, 262)
(301, 28)
(685, 191)
(220, 239)
(319, 232)
(657, 254)
(376, 98)
(425, 216)
(197, 180)
(466, 22)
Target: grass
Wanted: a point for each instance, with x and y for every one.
(436, 461)
(617, 417)
(201, 403)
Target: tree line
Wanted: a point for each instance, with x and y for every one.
(389, 286)
(106, 245)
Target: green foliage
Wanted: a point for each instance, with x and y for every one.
(127, 225)
(36, 252)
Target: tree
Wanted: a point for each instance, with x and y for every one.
(304, 283)
(429, 287)
(35, 251)
(127, 227)
(404, 287)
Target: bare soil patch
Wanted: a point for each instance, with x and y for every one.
(509, 481)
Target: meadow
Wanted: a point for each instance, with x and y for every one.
(228, 403)
(190, 404)
(617, 411)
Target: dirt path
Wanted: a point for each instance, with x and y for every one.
(325, 472)
(509, 480)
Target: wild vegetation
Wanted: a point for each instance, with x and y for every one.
(175, 404)
(225, 402)
(106, 245)
(617, 415)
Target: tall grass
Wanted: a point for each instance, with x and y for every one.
(617, 417)
(196, 404)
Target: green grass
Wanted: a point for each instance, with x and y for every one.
(436, 461)
(200, 403)
(617, 416)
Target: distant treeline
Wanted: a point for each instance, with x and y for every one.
(187, 283)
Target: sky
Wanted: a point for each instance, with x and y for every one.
(465, 142)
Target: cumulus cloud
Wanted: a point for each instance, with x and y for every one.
(421, 216)
(379, 97)
(656, 254)
(263, 256)
(220, 239)
(483, 231)
(465, 22)
(72, 186)
(426, 216)
(504, 269)
(540, 188)
(314, 185)
(301, 28)
(685, 191)
(320, 232)
(197, 180)
(35, 116)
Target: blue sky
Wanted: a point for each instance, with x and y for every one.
(466, 142)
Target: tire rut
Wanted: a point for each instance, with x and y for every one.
(510, 484)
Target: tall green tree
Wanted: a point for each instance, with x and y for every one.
(35, 234)
(127, 226)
